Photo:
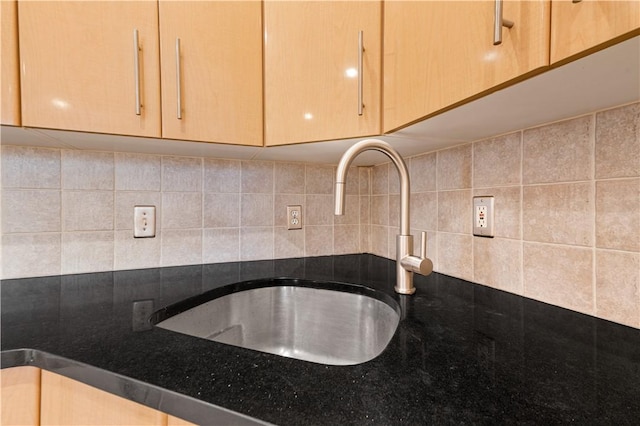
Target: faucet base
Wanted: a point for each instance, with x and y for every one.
(404, 276)
(408, 264)
(404, 290)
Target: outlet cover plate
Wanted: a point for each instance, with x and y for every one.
(144, 221)
(142, 310)
(483, 216)
(294, 217)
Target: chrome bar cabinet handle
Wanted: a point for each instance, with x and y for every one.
(178, 80)
(360, 69)
(498, 23)
(136, 66)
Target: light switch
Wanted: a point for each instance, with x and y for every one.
(144, 221)
(142, 310)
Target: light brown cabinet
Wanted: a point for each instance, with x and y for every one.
(312, 76)
(211, 62)
(68, 402)
(440, 53)
(31, 396)
(97, 67)
(20, 396)
(175, 421)
(81, 70)
(578, 27)
(279, 72)
(10, 81)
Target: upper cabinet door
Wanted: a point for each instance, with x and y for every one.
(440, 53)
(211, 56)
(577, 27)
(81, 69)
(10, 88)
(314, 68)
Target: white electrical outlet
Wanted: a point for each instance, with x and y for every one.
(483, 216)
(294, 217)
(144, 221)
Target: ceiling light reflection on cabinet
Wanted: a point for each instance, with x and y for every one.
(491, 56)
(351, 73)
(59, 103)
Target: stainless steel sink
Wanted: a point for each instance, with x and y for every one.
(335, 324)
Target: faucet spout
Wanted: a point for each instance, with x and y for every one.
(385, 148)
(406, 262)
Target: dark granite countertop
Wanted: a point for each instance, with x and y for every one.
(463, 353)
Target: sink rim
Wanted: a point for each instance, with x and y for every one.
(194, 301)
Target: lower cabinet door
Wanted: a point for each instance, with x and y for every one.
(175, 421)
(20, 396)
(68, 402)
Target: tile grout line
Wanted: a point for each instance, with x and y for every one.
(521, 214)
(473, 241)
(594, 231)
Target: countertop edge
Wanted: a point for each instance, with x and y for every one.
(152, 396)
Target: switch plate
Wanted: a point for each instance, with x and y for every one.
(294, 217)
(142, 310)
(144, 221)
(483, 216)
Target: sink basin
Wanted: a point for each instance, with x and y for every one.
(322, 322)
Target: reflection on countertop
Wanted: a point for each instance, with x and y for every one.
(463, 353)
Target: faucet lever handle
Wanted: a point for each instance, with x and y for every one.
(423, 245)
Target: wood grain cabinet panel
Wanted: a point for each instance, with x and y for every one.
(20, 396)
(578, 27)
(78, 66)
(218, 77)
(311, 70)
(175, 421)
(10, 81)
(68, 402)
(440, 53)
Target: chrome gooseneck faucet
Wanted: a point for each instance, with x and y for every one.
(407, 263)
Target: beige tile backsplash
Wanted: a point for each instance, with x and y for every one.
(618, 214)
(617, 287)
(498, 262)
(559, 274)
(19, 164)
(213, 239)
(137, 172)
(22, 212)
(289, 178)
(617, 152)
(181, 174)
(496, 162)
(255, 210)
(422, 170)
(454, 168)
(67, 211)
(75, 245)
(567, 199)
(454, 214)
(558, 152)
(221, 176)
(561, 213)
(76, 174)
